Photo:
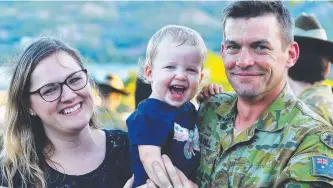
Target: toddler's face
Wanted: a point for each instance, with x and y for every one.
(176, 73)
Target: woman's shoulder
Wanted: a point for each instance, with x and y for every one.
(3, 181)
(118, 152)
(17, 180)
(116, 138)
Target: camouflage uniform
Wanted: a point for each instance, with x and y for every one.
(286, 146)
(319, 98)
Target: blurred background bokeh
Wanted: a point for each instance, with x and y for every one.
(112, 36)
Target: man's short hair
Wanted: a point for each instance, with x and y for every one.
(251, 9)
(309, 68)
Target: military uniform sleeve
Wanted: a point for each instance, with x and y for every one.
(208, 119)
(205, 108)
(206, 113)
(311, 165)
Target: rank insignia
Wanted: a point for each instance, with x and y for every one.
(327, 138)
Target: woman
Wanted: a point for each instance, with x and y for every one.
(51, 138)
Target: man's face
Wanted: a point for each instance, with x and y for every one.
(254, 59)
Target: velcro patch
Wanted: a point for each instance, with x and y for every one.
(322, 166)
(327, 138)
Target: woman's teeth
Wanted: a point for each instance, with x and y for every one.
(71, 110)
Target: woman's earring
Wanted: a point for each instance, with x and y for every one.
(32, 113)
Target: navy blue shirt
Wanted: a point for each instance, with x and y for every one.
(112, 173)
(172, 128)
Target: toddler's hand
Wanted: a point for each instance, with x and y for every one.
(209, 90)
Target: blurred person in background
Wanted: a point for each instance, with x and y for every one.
(307, 76)
(110, 91)
(51, 138)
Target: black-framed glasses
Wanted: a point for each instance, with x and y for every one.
(52, 91)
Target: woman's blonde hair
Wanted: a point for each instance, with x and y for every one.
(179, 35)
(23, 156)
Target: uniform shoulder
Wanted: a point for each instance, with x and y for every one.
(211, 111)
(221, 100)
(313, 160)
(314, 154)
(308, 118)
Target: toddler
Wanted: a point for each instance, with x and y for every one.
(165, 122)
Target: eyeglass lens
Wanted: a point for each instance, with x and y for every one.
(53, 91)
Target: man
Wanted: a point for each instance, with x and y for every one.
(262, 135)
(307, 77)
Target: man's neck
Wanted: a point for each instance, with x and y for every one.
(298, 87)
(249, 111)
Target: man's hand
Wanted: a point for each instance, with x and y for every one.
(129, 183)
(209, 90)
(174, 178)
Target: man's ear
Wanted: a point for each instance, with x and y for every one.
(293, 51)
(222, 50)
(148, 73)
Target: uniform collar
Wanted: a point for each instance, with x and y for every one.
(273, 118)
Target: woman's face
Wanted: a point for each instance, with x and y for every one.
(72, 111)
